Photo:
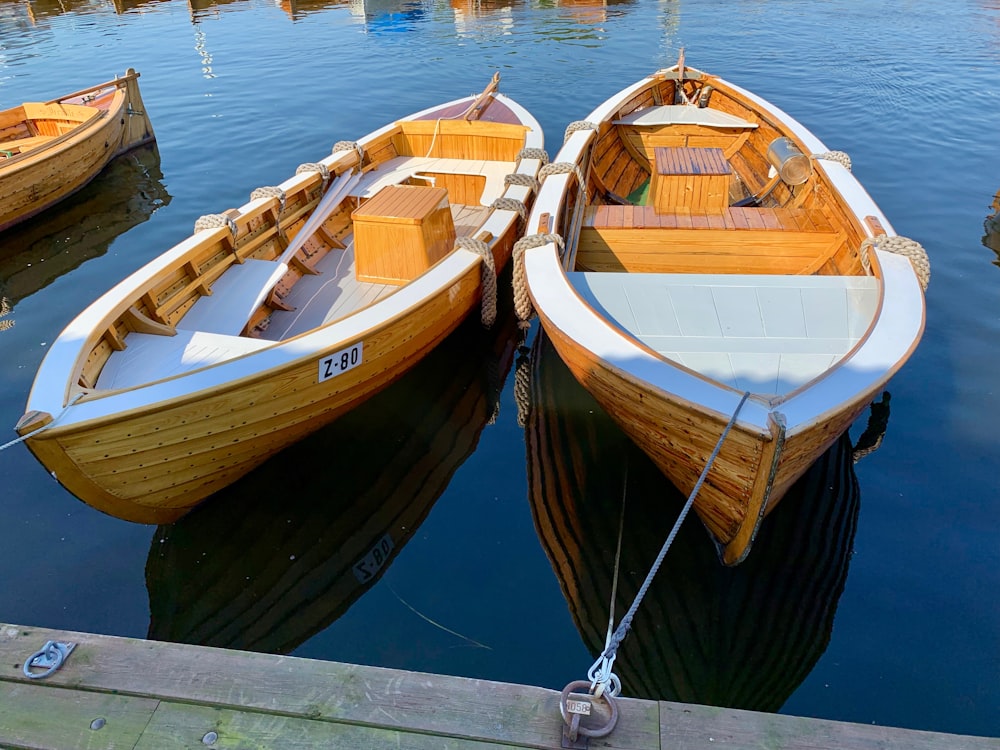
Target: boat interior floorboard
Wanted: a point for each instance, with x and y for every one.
(335, 291)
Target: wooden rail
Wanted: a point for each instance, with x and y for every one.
(124, 692)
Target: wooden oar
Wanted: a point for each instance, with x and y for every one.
(131, 75)
(475, 109)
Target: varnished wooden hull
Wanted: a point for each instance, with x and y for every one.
(676, 229)
(282, 553)
(743, 637)
(81, 146)
(145, 431)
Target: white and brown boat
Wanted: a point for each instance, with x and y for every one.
(688, 249)
(49, 150)
(285, 313)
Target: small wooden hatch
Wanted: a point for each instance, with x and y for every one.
(401, 232)
(694, 178)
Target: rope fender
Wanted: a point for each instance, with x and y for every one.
(522, 301)
(314, 166)
(533, 153)
(841, 157)
(214, 221)
(902, 246)
(488, 313)
(560, 167)
(269, 191)
(578, 125)
(510, 204)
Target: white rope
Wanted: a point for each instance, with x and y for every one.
(600, 673)
(34, 432)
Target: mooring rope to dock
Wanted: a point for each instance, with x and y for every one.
(604, 683)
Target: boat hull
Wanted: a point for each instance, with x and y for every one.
(38, 179)
(154, 465)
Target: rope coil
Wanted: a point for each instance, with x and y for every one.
(561, 167)
(524, 180)
(315, 166)
(533, 153)
(901, 246)
(522, 301)
(214, 221)
(350, 146)
(841, 157)
(270, 192)
(510, 204)
(488, 312)
(578, 125)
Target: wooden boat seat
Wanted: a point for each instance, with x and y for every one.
(764, 333)
(150, 357)
(741, 239)
(234, 298)
(683, 114)
(402, 168)
(20, 145)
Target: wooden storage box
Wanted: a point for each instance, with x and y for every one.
(695, 178)
(401, 232)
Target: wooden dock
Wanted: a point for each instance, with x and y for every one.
(130, 693)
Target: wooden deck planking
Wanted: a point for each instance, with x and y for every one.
(161, 695)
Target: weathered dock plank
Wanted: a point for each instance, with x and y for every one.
(161, 695)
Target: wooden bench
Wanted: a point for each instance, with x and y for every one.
(765, 333)
(733, 240)
(20, 145)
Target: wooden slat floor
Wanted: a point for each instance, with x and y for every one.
(130, 693)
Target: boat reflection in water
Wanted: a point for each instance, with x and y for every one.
(276, 557)
(742, 637)
(992, 228)
(125, 194)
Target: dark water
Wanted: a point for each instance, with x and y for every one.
(405, 535)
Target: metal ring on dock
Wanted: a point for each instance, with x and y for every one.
(573, 719)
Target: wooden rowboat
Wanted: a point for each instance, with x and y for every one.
(690, 248)
(263, 569)
(697, 636)
(49, 150)
(281, 315)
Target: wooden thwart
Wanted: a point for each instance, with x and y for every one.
(162, 695)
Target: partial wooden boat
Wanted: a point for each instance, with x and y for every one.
(279, 555)
(743, 637)
(124, 195)
(992, 228)
(285, 313)
(695, 271)
(49, 150)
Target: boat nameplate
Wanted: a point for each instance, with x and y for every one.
(341, 361)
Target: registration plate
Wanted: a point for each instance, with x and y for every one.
(339, 362)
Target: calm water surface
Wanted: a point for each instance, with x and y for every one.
(419, 533)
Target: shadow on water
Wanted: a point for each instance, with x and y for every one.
(82, 227)
(742, 637)
(278, 556)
